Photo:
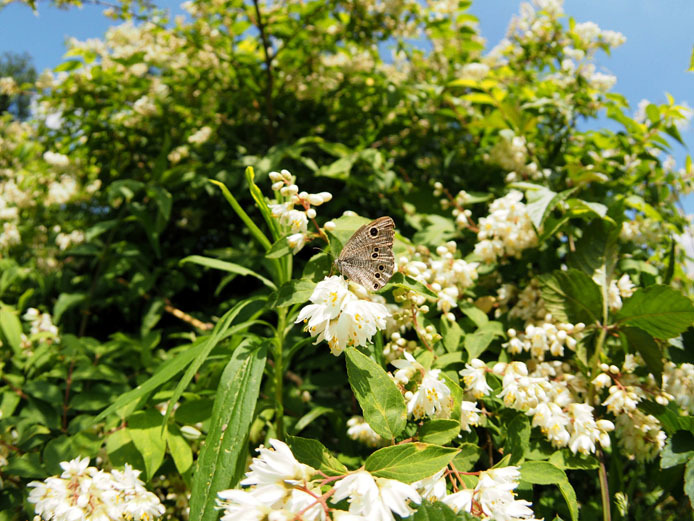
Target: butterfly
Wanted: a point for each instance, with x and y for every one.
(367, 257)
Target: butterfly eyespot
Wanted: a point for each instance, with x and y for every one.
(375, 286)
(373, 232)
(377, 275)
(376, 248)
(374, 255)
(381, 267)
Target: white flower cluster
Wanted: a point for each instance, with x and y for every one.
(474, 71)
(591, 35)
(9, 236)
(640, 230)
(507, 230)
(361, 431)
(62, 190)
(542, 337)
(340, 317)
(8, 86)
(281, 489)
(529, 306)
(492, 498)
(530, 26)
(617, 290)
(200, 136)
(461, 214)
(544, 395)
(678, 381)
(83, 493)
(445, 275)
(431, 397)
(297, 220)
(65, 240)
(41, 325)
(56, 159)
(639, 434)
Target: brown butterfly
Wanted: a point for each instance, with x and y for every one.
(367, 257)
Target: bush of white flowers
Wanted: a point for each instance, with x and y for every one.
(183, 331)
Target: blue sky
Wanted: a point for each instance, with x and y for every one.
(652, 62)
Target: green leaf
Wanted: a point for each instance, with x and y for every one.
(571, 296)
(314, 454)
(409, 462)
(310, 416)
(691, 62)
(145, 430)
(252, 227)
(659, 310)
(647, 346)
(66, 301)
(689, 480)
(69, 65)
(164, 373)
(296, 291)
(596, 249)
(544, 473)
(439, 432)
(541, 201)
(517, 438)
(226, 266)
(179, 448)
(399, 280)
(451, 334)
(10, 328)
(25, 466)
(223, 455)
(439, 511)
(468, 456)
(476, 343)
(475, 314)
(220, 331)
(279, 249)
(261, 202)
(379, 397)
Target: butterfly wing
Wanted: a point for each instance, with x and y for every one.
(367, 257)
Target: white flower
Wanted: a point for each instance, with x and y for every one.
(432, 488)
(243, 505)
(407, 368)
(276, 466)
(55, 159)
(375, 499)
(340, 317)
(460, 501)
(361, 431)
(10, 235)
(296, 241)
(469, 415)
(494, 493)
(432, 398)
(507, 230)
(83, 492)
(200, 136)
(475, 378)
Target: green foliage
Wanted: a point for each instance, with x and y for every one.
(154, 297)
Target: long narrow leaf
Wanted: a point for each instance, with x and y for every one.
(227, 266)
(166, 372)
(219, 464)
(255, 231)
(210, 343)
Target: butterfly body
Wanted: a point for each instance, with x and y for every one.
(367, 257)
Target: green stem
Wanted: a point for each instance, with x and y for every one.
(279, 372)
(604, 488)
